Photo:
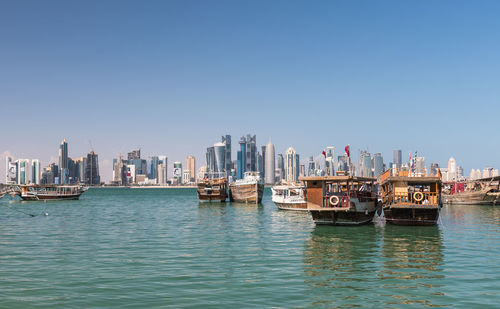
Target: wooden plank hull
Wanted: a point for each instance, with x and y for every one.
(246, 193)
(411, 216)
(212, 191)
(51, 197)
(467, 198)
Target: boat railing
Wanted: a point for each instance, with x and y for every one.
(343, 201)
(413, 198)
(405, 172)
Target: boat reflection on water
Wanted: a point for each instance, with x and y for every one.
(339, 265)
(412, 269)
(378, 266)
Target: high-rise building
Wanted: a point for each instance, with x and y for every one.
(63, 162)
(10, 171)
(186, 176)
(134, 154)
(311, 166)
(365, 164)
(35, 171)
(329, 161)
(281, 164)
(178, 171)
(452, 169)
(92, 169)
(162, 170)
(220, 157)
(154, 167)
(291, 166)
(22, 171)
(263, 166)
(120, 171)
(420, 165)
(302, 170)
(242, 157)
(342, 163)
(434, 168)
(211, 164)
(269, 164)
(227, 141)
(378, 164)
(397, 158)
(191, 167)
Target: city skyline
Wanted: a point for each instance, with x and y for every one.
(413, 77)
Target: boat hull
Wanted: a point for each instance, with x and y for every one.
(207, 194)
(468, 198)
(43, 197)
(342, 217)
(411, 216)
(292, 206)
(246, 193)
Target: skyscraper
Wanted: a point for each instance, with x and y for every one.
(311, 166)
(92, 169)
(397, 159)
(365, 164)
(220, 157)
(35, 172)
(269, 164)
(249, 156)
(191, 166)
(281, 164)
(452, 169)
(242, 157)
(178, 171)
(10, 171)
(227, 141)
(210, 156)
(22, 171)
(329, 158)
(378, 164)
(63, 162)
(134, 154)
(154, 167)
(262, 167)
(291, 165)
(162, 170)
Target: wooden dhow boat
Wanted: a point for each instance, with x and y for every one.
(473, 192)
(341, 199)
(212, 188)
(250, 189)
(50, 192)
(290, 197)
(411, 198)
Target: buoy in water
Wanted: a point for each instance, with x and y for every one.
(46, 214)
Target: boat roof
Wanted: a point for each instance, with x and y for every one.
(412, 179)
(337, 178)
(286, 187)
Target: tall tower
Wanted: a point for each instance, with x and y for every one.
(452, 169)
(220, 156)
(92, 169)
(397, 160)
(191, 166)
(329, 158)
(22, 171)
(63, 162)
(35, 172)
(242, 162)
(291, 165)
(378, 164)
(227, 141)
(269, 164)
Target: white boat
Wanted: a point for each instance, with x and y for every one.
(289, 197)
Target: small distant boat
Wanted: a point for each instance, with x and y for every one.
(212, 188)
(289, 197)
(410, 198)
(50, 192)
(247, 190)
(341, 199)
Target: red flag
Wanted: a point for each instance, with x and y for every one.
(347, 151)
(324, 153)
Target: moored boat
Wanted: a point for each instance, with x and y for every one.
(50, 192)
(341, 200)
(473, 192)
(289, 197)
(212, 188)
(250, 189)
(410, 198)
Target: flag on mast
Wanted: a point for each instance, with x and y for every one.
(347, 151)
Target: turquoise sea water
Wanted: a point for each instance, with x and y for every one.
(147, 248)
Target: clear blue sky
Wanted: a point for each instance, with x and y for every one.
(172, 76)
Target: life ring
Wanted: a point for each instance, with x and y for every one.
(334, 198)
(418, 196)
